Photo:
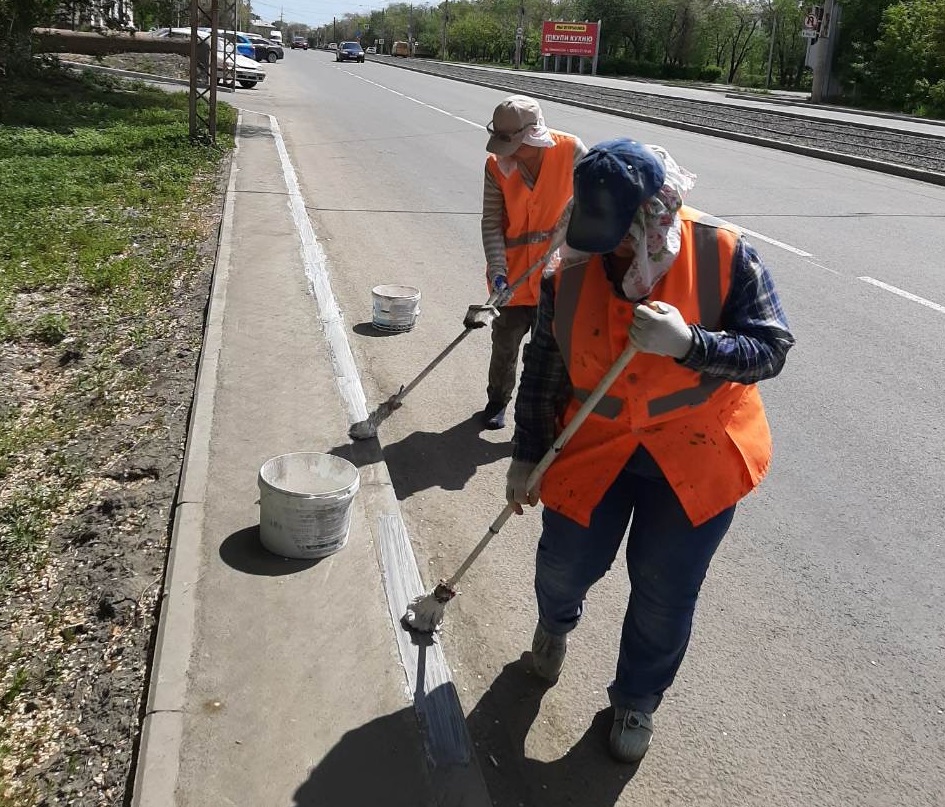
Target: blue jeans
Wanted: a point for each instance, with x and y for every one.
(667, 559)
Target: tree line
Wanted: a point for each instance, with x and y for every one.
(889, 54)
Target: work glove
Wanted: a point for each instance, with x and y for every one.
(659, 328)
(515, 480)
(501, 293)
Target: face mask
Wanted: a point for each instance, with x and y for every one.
(655, 237)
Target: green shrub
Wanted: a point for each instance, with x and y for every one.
(50, 328)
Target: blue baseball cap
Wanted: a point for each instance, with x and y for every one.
(610, 183)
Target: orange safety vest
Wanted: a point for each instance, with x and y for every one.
(709, 436)
(531, 214)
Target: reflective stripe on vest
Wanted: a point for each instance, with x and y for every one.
(533, 237)
(710, 310)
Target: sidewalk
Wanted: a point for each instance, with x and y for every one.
(284, 682)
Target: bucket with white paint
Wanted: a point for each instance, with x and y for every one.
(396, 308)
(305, 504)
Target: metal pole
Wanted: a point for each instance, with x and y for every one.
(519, 33)
(596, 51)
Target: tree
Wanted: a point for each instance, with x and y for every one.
(735, 23)
(17, 19)
(475, 36)
(910, 56)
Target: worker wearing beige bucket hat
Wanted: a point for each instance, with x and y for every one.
(525, 203)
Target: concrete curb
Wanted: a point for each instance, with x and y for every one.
(452, 762)
(162, 728)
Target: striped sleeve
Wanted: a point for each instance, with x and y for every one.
(580, 150)
(493, 232)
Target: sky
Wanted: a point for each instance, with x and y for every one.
(313, 12)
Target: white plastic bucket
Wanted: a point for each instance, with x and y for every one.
(305, 504)
(396, 308)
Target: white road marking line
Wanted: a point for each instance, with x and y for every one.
(774, 242)
(825, 268)
(905, 294)
(417, 101)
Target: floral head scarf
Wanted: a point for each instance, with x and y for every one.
(656, 231)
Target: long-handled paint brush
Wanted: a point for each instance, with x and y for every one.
(477, 316)
(425, 613)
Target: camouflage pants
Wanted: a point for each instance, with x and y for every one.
(508, 330)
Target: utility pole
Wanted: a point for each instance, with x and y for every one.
(446, 19)
(774, 30)
(410, 32)
(822, 56)
(519, 35)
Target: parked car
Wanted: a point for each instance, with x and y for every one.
(247, 72)
(243, 46)
(266, 50)
(299, 42)
(332, 46)
(349, 52)
(371, 49)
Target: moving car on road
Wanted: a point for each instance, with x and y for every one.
(349, 52)
(299, 42)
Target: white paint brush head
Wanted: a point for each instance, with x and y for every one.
(363, 430)
(425, 613)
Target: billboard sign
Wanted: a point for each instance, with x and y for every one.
(569, 39)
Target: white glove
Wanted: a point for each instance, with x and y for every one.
(659, 328)
(515, 480)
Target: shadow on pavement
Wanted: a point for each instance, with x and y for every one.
(368, 329)
(243, 551)
(422, 460)
(379, 763)
(499, 724)
(446, 460)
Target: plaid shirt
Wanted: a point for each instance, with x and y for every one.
(751, 347)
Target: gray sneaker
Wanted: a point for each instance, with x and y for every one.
(631, 734)
(548, 653)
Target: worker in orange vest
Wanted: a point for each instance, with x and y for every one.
(525, 200)
(680, 437)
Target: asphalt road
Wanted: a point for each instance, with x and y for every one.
(816, 675)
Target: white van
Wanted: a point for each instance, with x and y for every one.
(275, 36)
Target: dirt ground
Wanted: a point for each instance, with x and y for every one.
(157, 64)
(79, 625)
